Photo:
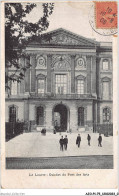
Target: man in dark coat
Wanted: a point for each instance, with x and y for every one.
(78, 140)
(88, 138)
(100, 140)
(61, 143)
(65, 142)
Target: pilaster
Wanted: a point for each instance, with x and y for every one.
(94, 75)
(72, 73)
(27, 76)
(89, 74)
(26, 110)
(22, 61)
(49, 61)
(33, 72)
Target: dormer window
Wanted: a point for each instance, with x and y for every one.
(105, 65)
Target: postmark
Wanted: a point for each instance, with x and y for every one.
(103, 17)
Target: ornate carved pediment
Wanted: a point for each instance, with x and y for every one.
(63, 37)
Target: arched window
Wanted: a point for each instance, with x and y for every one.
(105, 64)
(40, 115)
(106, 115)
(12, 114)
(80, 116)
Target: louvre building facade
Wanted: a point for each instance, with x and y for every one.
(68, 85)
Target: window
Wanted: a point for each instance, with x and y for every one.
(81, 116)
(105, 90)
(106, 115)
(14, 88)
(12, 114)
(105, 65)
(40, 115)
(60, 84)
(80, 86)
(41, 86)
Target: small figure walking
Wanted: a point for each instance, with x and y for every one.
(89, 139)
(61, 141)
(78, 140)
(100, 140)
(65, 142)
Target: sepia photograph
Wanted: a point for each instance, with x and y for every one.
(59, 85)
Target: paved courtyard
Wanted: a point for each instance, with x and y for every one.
(36, 145)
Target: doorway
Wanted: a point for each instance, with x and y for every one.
(40, 115)
(60, 115)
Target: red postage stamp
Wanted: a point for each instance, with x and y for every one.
(106, 14)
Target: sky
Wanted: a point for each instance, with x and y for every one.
(72, 16)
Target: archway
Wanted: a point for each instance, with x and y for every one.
(60, 115)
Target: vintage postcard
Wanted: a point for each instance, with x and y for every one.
(59, 95)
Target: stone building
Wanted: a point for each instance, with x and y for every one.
(69, 83)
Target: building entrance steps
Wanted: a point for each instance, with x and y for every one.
(35, 144)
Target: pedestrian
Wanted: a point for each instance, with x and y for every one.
(78, 140)
(65, 142)
(61, 143)
(54, 131)
(100, 140)
(88, 138)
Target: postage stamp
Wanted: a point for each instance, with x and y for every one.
(106, 15)
(103, 17)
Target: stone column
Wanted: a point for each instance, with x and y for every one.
(89, 74)
(49, 61)
(33, 72)
(94, 115)
(73, 117)
(27, 76)
(72, 73)
(22, 61)
(26, 110)
(98, 77)
(48, 117)
(98, 112)
(94, 75)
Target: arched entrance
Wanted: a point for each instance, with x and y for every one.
(60, 117)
